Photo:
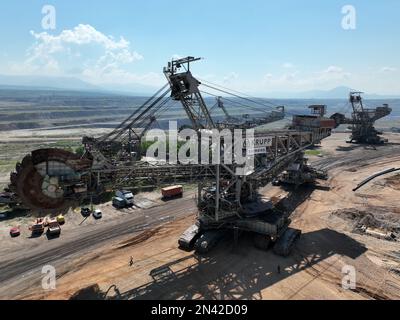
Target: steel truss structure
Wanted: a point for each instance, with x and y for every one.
(362, 120)
(227, 190)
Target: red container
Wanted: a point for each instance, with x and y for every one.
(172, 191)
(327, 123)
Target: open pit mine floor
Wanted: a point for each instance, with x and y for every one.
(93, 259)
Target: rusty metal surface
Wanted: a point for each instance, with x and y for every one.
(27, 182)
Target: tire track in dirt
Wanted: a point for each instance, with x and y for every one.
(17, 267)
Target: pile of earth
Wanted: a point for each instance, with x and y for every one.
(383, 218)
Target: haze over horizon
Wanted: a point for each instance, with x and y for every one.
(259, 47)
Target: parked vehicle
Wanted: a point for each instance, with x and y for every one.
(125, 195)
(86, 212)
(119, 203)
(172, 192)
(60, 219)
(97, 214)
(7, 197)
(38, 227)
(15, 232)
(53, 228)
(189, 237)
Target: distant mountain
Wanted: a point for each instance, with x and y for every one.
(135, 89)
(335, 93)
(63, 83)
(341, 92)
(70, 84)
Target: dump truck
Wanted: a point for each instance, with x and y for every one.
(172, 192)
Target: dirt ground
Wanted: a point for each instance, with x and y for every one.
(159, 270)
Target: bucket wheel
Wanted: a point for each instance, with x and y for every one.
(39, 180)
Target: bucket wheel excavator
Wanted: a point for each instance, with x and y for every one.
(362, 121)
(54, 179)
(228, 200)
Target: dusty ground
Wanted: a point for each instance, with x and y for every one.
(160, 270)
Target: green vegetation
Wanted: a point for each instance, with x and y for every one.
(313, 153)
(7, 162)
(64, 144)
(68, 145)
(145, 145)
(80, 150)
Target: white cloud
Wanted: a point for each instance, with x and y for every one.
(268, 76)
(231, 77)
(333, 69)
(333, 73)
(288, 65)
(93, 56)
(287, 78)
(86, 53)
(49, 51)
(388, 69)
(81, 34)
(295, 80)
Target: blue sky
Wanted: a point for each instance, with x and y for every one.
(254, 46)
